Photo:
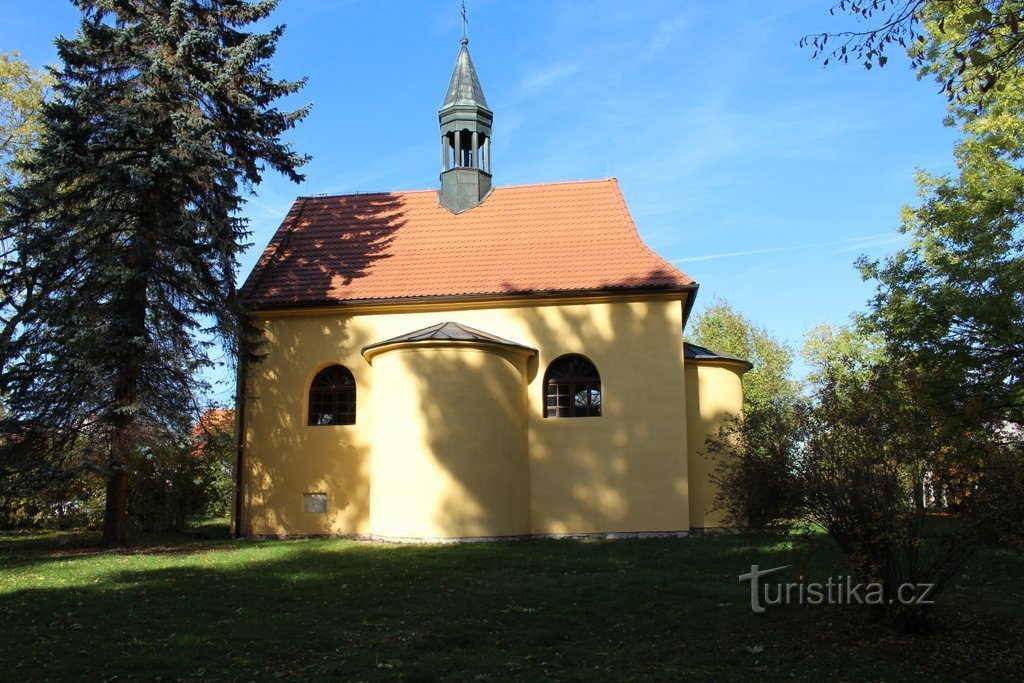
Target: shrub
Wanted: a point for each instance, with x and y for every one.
(170, 484)
(753, 474)
(51, 484)
(853, 461)
(996, 504)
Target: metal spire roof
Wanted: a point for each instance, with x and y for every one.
(464, 88)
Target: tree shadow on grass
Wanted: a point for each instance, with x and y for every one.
(318, 609)
(33, 547)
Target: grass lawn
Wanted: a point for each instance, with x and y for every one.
(196, 607)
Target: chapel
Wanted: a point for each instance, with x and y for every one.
(474, 361)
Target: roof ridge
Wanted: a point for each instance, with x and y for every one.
(328, 195)
(581, 181)
(359, 193)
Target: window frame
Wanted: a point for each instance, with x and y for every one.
(337, 399)
(570, 385)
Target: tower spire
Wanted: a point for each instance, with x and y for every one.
(465, 136)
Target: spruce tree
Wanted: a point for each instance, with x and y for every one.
(164, 114)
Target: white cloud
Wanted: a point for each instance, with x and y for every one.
(545, 77)
(849, 244)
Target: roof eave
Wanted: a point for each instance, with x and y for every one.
(687, 290)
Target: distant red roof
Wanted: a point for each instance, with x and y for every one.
(559, 237)
(213, 420)
(211, 423)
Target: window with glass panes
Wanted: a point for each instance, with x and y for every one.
(572, 388)
(332, 397)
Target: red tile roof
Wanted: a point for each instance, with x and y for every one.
(213, 420)
(560, 237)
(213, 423)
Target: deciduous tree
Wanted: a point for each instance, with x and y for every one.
(22, 92)
(721, 328)
(979, 42)
(952, 303)
(753, 453)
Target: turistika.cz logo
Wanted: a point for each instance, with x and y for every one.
(841, 590)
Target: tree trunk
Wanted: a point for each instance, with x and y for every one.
(115, 515)
(132, 304)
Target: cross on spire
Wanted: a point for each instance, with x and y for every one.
(464, 19)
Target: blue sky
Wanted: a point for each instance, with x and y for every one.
(757, 171)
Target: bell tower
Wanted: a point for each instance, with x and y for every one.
(465, 138)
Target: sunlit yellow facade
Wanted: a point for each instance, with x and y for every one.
(451, 440)
(714, 389)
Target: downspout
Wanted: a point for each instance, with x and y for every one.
(240, 393)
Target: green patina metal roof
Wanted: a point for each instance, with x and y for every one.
(448, 332)
(464, 89)
(696, 352)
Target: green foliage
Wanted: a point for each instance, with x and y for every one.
(170, 484)
(996, 499)
(854, 459)
(934, 396)
(752, 454)
(753, 475)
(174, 478)
(868, 441)
(953, 301)
(22, 91)
(127, 222)
(973, 48)
(722, 329)
(829, 350)
(215, 446)
(173, 481)
(978, 43)
(52, 487)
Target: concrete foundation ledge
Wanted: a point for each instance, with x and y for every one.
(374, 538)
(714, 531)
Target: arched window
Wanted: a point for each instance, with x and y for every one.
(572, 388)
(332, 397)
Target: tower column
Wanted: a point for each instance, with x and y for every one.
(444, 153)
(487, 155)
(458, 148)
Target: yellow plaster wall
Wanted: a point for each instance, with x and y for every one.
(623, 471)
(714, 391)
(285, 458)
(458, 465)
